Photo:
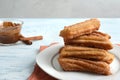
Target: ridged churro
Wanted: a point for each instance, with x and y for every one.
(93, 54)
(82, 65)
(95, 39)
(86, 49)
(79, 29)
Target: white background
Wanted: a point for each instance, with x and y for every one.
(59, 8)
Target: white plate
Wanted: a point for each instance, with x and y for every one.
(47, 60)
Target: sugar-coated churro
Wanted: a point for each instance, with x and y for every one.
(79, 29)
(82, 65)
(93, 54)
(95, 39)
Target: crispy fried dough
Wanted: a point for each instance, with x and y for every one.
(95, 39)
(86, 48)
(93, 54)
(72, 31)
(82, 65)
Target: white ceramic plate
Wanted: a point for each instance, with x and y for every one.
(48, 61)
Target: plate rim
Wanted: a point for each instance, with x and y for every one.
(40, 53)
(52, 47)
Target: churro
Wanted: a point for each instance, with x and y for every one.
(93, 54)
(82, 65)
(75, 30)
(95, 39)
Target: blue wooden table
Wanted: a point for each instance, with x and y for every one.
(17, 61)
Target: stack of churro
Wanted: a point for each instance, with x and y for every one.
(86, 49)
